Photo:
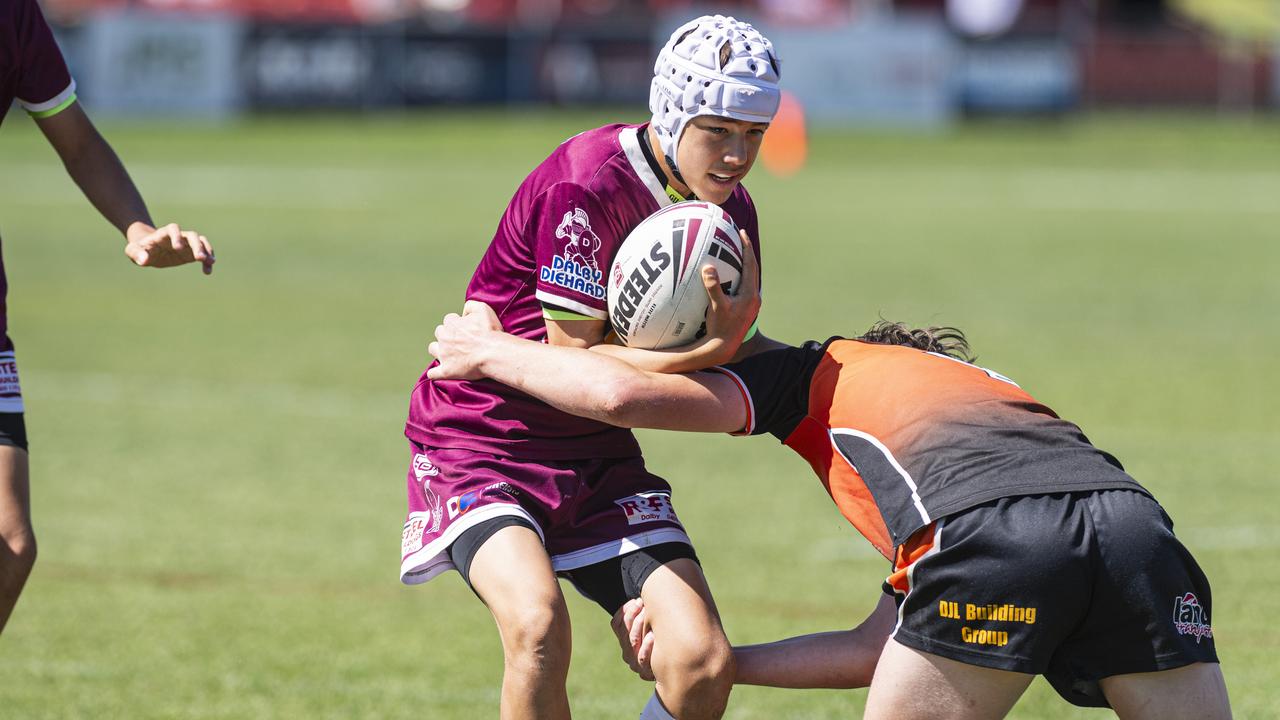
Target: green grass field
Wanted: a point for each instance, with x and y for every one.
(218, 466)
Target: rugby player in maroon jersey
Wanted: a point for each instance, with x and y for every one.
(512, 492)
(1017, 548)
(33, 72)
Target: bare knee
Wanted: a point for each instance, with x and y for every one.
(537, 638)
(696, 678)
(19, 556)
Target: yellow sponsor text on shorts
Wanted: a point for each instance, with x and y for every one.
(999, 638)
(1000, 613)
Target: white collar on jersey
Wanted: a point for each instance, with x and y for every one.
(630, 141)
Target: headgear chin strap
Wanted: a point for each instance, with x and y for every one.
(714, 65)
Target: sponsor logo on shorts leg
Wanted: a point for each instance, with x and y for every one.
(460, 504)
(423, 470)
(1003, 612)
(648, 507)
(422, 466)
(990, 612)
(982, 636)
(993, 612)
(10, 387)
(415, 528)
(1190, 617)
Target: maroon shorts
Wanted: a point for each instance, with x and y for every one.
(587, 511)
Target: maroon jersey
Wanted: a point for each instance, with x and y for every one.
(32, 70)
(554, 246)
(902, 437)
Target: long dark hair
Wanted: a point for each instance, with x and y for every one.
(947, 341)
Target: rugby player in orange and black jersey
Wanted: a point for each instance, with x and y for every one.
(1016, 543)
(1018, 548)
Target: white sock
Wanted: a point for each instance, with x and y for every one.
(654, 710)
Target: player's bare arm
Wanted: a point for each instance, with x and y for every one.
(97, 170)
(473, 346)
(839, 659)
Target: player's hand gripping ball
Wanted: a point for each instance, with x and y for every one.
(656, 296)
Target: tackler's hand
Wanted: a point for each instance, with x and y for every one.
(461, 341)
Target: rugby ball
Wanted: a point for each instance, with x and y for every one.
(656, 296)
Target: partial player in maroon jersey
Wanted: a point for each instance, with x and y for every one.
(33, 72)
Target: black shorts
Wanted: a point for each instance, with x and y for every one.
(13, 430)
(609, 584)
(1074, 586)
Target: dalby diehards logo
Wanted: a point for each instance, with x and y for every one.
(648, 507)
(576, 268)
(1190, 617)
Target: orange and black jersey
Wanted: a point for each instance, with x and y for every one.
(902, 437)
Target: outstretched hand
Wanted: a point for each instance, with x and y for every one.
(167, 246)
(460, 340)
(729, 317)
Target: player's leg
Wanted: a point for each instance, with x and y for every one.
(485, 515)
(692, 660)
(511, 573)
(17, 539)
(621, 504)
(1191, 692)
(910, 684)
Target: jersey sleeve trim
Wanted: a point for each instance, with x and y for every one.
(567, 304)
(53, 106)
(554, 313)
(750, 426)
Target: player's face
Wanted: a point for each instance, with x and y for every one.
(715, 153)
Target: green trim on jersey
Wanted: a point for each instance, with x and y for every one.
(553, 313)
(752, 331)
(54, 110)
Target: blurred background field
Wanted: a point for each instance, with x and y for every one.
(218, 463)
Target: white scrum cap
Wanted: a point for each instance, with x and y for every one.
(714, 65)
